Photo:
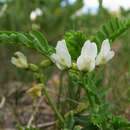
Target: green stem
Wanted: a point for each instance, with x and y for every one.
(87, 93)
(77, 95)
(51, 103)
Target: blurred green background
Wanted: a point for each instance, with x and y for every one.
(59, 16)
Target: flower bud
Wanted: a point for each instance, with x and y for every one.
(35, 91)
(33, 67)
(20, 60)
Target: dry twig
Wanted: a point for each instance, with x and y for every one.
(2, 102)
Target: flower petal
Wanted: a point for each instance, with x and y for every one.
(92, 65)
(80, 63)
(19, 61)
(109, 56)
(61, 47)
(68, 60)
(62, 57)
(89, 49)
(14, 61)
(84, 48)
(98, 58)
(85, 63)
(105, 48)
(54, 58)
(60, 66)
(105, 54)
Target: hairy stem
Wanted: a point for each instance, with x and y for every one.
(50, 101)
(52, 105)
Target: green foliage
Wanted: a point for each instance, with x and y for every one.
(86, 122)
(119, 123)
(34, 40)
(69, 120)
(75, 78)
(78, 127)
(91, 87)
(40, 41)
(25, 128)
(74, 41)
(97, 119)
(99, 115)
(82, 119)
(111, 30)
(92, 90)
(102, 92)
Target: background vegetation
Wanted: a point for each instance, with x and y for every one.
(54, 22)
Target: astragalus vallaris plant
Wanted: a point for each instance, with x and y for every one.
(78, 57)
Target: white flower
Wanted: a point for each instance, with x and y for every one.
(35, 13)
(62, 57)
(38, 11)
(86, 61)
(19, 61)
(105, 54)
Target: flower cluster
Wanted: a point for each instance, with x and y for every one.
(88, 58)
